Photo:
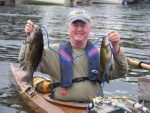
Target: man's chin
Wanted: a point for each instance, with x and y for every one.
(79, 39)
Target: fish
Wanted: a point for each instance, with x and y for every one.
(105, 55)
(33, 54)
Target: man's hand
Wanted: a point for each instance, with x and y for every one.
(29, 27)
(114, 38)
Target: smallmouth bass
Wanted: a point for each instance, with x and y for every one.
(105, 55)
(33, 54)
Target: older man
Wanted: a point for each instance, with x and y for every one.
(73, 78)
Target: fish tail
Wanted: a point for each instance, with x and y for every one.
(28, 77)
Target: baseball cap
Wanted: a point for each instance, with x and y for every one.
(79, 14)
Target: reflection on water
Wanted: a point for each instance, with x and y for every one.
(132, 22)
(10, 101)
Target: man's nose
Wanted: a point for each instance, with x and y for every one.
(79, 27)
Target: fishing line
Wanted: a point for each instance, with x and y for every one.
(102, 36)
(103, 76)
(107, 67)
(47, 38)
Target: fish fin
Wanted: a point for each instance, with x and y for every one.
(111, 67)
(107, 78)
(43, 53)
(101, 68)
(22, 63)
(30, 47)
(39, 68)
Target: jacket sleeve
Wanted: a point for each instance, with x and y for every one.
(120, 66)
(22, 52)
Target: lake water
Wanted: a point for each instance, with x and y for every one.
(132, 22)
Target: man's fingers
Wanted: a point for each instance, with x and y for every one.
(30, 22)
(29, 27)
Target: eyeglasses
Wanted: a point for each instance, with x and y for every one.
(76, 26)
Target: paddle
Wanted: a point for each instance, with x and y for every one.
(140, 64)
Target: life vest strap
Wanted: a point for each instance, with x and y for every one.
(78, 79)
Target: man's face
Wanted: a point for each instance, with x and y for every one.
(79, 31)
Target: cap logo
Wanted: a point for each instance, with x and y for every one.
(79, 11)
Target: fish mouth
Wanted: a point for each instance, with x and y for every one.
(107, 45)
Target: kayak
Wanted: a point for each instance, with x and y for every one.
(42, 103)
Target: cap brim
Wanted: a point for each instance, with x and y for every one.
(79, 18)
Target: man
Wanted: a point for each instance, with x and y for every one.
(73, 79)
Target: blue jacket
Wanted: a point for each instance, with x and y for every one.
(66, 60)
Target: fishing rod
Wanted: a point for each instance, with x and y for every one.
(138, 106)
(112, 101)
(117, 104)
